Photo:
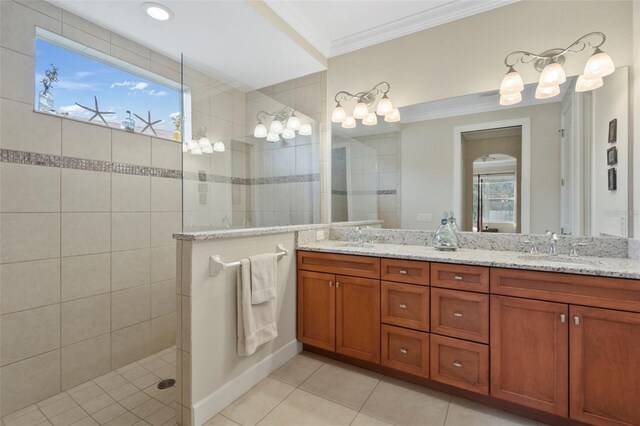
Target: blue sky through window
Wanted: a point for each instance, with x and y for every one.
(81, 78)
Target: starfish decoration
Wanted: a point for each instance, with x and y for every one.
(96, 112)
(148, 122)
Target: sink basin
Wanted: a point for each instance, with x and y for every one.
(561, 259)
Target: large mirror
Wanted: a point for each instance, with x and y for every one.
(527, 168)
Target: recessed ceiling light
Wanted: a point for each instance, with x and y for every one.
(157, 11)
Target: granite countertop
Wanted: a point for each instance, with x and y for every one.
(599, 266)
(243, 232)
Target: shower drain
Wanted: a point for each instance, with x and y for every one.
(166, 383)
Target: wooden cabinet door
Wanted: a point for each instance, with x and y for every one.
(358, 318)
(317, 309)
(530, 353)
(605, 366)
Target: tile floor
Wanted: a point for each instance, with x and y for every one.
(125, 397)
(311, 390)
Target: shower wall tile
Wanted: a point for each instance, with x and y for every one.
(85, 233)
(85, 38)
(84, 276)
(85, 318)
(29, 333)
(130, 306)
(163, 331)
(130, 268)
(163, 226)
(84, 140)
(130, 344)
(130, 148)
(17, 76)
(130, 193)
(25, 188)
(85, 360)
(130, 231)
(17, 22)
(166, 154)
(166, 195)
(29, 236)
(28, 285)
(163, 298)
(42, 135)
(163, 265)
(85, 191)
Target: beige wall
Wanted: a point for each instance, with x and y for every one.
(87, 262)
(636, 118)
(427, 165)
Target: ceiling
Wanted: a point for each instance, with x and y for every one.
(335, 27)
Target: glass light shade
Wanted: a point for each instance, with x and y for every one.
(219, 147)
(273, 137)
(288, 134)
(360, 111)
(207, 150)
(547, 92)
(293, 123)
(338, 114)
(511, 82)
(260, 131)
(552, 75)
(276, 127)
(305, 130)
(204, 142)
(193, 144)
(511, 99)
(393, 117)
(157, 11)
(196, 151)
(585, 84)
(598, 65)
(371, 119)
(384, 106)
(349, 123)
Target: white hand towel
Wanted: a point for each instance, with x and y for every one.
(263, 277)
(256, 323)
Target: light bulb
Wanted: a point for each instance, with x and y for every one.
(260, 131)
(203, 142)
(547, 92)
(276, 127)
(585, 84)
(338, 114)
(511, 99)
(349, 122)
(598, 65)
(552, 75)
(157, 11)
(196, 151)
(371, 119)
(305, 130)
(219, 146)
(384, 106)
(273, 137)
(293, 122)
(360, 111)
(511, 82)
(393, 117)
(207, 150)
(193, 144)
(288, 134)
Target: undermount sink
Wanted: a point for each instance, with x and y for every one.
(560, 259)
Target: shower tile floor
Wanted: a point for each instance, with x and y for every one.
(126, 397)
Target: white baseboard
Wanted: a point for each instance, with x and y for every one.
(211, 405)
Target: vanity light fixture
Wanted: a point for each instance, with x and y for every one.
(364, 101)
(219, 147)
(157, 11)
(200, 144)
(283, 123)
(549, 63)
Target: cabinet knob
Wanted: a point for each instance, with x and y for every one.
(330, 283)
(337, 284)
(403, 306)
(404, 350)
(457, 364)
(457, 314)
(576, 320)
(563, 318)
(458, 277)
(403, 271)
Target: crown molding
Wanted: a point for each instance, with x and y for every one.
(448, 12)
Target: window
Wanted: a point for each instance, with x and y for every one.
(69, 77)
(494, 195)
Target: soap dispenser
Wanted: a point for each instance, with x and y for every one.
(445, 238)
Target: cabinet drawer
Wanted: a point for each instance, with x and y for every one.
(405, 271)
(460, 314)
(459, 363)
(405, 305)
(339, 264)
(405, 350)
(460, 277)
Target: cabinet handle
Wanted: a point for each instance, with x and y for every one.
(330, 283)
(563, 318)
(403, 271)
(457, 314)
(404, 350)
(337, 284)
(403, 306)
(458, 277)
(457, 364)
(576, 320)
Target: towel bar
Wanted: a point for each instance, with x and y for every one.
(216, 265)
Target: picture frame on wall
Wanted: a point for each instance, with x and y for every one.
(613, 130)
(613, 180)
(612, 156)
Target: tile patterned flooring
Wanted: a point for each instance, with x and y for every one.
(312, 390)
(125, 397)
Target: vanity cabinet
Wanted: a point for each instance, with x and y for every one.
(317, 309)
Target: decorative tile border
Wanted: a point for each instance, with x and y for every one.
(372, 192)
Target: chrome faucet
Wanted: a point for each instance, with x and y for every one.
(554, 243)
(360, 237)
(533, 247)
(574, 250)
